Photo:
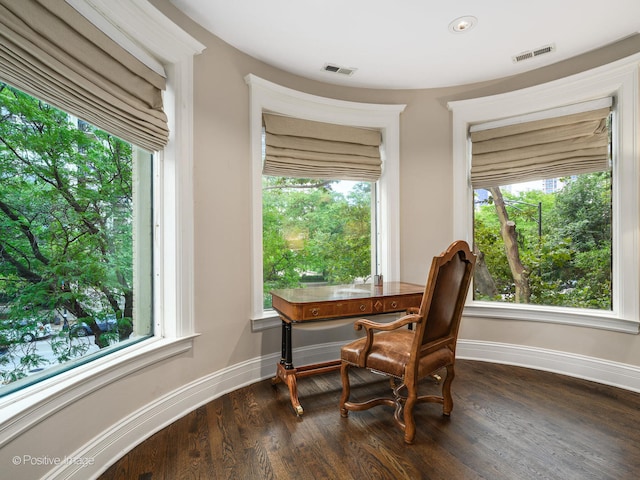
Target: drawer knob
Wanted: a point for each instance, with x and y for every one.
(394, 304)
(363, 307)
(315, 312)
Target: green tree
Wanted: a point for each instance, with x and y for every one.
(582, 225)
(65, 215)
(311, 232)
(347, 253)
(563, 242)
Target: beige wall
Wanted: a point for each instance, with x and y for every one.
(222, 227)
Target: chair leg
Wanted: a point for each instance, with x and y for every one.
(447, 399)
(409, 422)
(346, 388)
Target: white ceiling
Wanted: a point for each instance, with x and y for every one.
(407, 43)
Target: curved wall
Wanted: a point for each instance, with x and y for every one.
(95, 424)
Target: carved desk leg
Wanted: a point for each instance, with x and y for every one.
(289, 377)
(285, 370)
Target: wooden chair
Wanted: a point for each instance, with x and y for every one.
(409, 355)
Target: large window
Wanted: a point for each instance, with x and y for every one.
(159, 42)
(382, 230)
(542, 207)
(317, 215)
(67, 246)
(555, 248)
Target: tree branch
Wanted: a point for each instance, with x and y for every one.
(22, 271)
(35, 248)
(509, 236)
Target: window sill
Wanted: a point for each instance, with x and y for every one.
(268, 319)
(29, 406)
(536, 313)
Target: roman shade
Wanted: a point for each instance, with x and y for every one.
(556, 145)
(307, 149)
(49, 50)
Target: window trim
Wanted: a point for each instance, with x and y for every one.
(173, 231)
(619, 80)
(268, 96)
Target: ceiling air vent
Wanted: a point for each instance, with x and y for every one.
(336, 69)
(533, 53)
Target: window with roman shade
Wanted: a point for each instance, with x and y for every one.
(308, 149)
(52, 52)
(555, 143)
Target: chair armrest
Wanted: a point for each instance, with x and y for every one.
(370, 326)
(386, 327)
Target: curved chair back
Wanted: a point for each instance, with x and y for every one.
(444, 298)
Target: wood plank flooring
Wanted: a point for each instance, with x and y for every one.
(507, 423)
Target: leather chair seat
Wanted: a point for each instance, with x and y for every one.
(391, 353)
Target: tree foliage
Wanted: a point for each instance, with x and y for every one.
(563, 239)
(314, 233)
(65, 216)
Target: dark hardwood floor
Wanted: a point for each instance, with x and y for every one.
(507, 423)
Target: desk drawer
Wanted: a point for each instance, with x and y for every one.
(338, 309)
(399, 304)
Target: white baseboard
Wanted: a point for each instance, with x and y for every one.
(115, 442)
(589, 368)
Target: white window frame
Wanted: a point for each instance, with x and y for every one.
(172, 51)
(268, 96)
(618, 80)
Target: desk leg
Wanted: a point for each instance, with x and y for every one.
(285, 370)
(289, 377)
(288, 357)
(283, 353)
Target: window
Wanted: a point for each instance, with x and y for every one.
(563, 257)
(620, 310)
(268, 97)
(317, 213)
(67, 246)
(172, 294)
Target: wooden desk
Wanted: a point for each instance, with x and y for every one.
(313, 304)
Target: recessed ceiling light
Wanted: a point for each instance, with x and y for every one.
(463, 24)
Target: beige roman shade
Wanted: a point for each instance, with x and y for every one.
(307, 149)
(550, 147)
(49, 50)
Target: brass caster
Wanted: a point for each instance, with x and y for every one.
(299, 410)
